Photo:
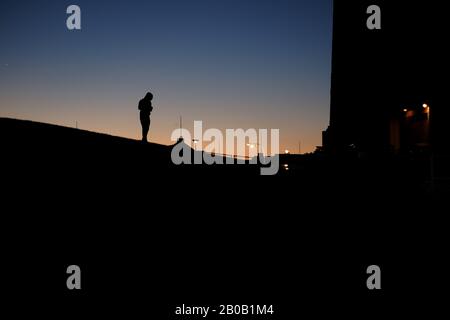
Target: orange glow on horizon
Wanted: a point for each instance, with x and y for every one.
(124, 121)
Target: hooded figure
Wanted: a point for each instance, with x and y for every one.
(145, 106)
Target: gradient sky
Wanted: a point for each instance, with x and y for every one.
(231, 63)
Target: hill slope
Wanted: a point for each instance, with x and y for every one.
(34, 147)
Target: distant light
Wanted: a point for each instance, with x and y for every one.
(286, 151)
(250, 145)
(425, 106)
(286, 165)
(405, 110)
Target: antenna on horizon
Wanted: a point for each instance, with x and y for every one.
(180, 139)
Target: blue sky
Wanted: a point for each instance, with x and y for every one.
(230, 63)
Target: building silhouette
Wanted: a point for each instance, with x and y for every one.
(388, 84)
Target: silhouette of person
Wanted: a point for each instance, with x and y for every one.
(145, 107)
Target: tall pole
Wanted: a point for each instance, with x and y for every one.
(299, 147)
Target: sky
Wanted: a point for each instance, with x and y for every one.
(229, 63)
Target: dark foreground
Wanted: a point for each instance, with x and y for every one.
(149, 236)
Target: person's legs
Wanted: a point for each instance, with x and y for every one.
(145, 128)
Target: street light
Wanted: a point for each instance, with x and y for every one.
(427, 110)
(286, 151)
(195, 141)
(253, 145)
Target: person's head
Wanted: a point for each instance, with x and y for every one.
(148, 96)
